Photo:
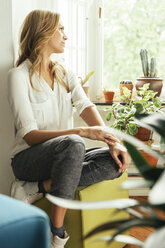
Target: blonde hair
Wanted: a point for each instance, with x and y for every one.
(37, 29)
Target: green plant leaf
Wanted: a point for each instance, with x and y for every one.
(87, 77)
(139, 107)
(156, 195)
(132, 128)
(157, 102)
(108, 116)
(156, 239)
(135, 184)
(145, 87)
(74, 204)
(145, 209)
(122, 238)
(151, 222)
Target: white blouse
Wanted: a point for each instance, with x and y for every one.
(41, 107)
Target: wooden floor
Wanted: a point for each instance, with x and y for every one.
(141, 232)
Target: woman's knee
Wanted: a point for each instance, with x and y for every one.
(76, 143)
(74, 139)
(68, 142)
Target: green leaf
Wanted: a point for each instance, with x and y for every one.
(156, 195)
(157, 102)
(135, 184)
(121, 110)
(139, 107)
(122, 238)
(132, 128)
(108, 116)
(74, 204)
(145, 87)
(151, 222)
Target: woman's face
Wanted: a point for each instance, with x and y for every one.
(57, 42)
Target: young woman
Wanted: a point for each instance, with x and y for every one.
(48, 152)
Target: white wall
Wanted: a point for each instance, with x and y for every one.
(20, 8)
(9, 9)
(6, 124)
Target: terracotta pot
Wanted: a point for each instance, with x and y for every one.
(108, 95)
(156, 83)
(143, 134)
(128, 86)
(150, 159)
(86, 89)
(146, 141)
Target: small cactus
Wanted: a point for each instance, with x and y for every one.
(149, 69)
(153, 67)
(125, 82)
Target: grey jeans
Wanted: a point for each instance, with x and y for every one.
(67, 163)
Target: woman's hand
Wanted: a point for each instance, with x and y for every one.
(115, 151)
(99, 133)
(115, 147)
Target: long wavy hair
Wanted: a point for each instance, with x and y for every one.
(37, 29)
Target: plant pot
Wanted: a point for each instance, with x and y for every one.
(86, 89)
(150, 159)
(156, 83)
(143, 134)
(108, 95)
(128, 86)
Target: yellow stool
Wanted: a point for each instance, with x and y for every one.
(79, 222)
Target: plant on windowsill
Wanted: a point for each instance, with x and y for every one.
(125, 83)
(124, 112)
(85, 80)
(153, 178)
(108, 94)
(150, 73)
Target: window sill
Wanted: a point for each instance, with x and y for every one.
(111, 103)
(116, 99)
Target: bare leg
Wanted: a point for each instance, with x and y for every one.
(57, 213)
(46, 185)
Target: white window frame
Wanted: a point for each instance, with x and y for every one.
(95, 48)
(75, 48)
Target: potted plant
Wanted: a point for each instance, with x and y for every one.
(125, 111)
(108, 95)
(150, 73)
(84, 81)
(125, 83)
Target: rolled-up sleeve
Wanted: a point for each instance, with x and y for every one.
(19, 102)
(79, 98)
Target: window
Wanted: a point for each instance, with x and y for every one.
(130, 25)
(74, 17)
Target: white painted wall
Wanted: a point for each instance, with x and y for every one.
(6, 124)
(12, 13)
